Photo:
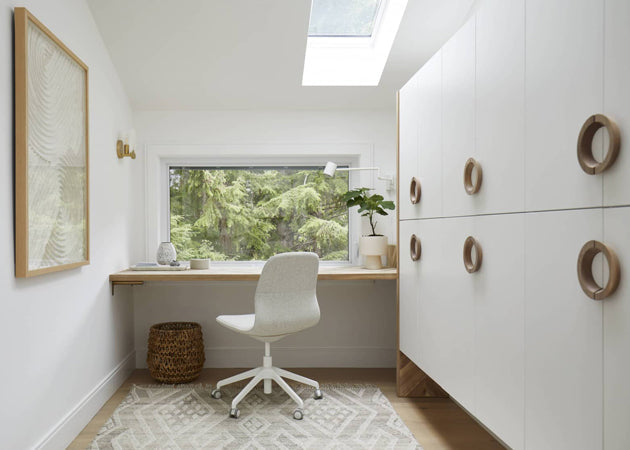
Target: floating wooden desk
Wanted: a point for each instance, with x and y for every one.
(235, 272)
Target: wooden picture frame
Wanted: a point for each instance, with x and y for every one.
(51, 152)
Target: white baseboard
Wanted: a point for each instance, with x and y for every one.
(293, 357)
(64, 432)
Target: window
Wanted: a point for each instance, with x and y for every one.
(252, 213)
(351, 18)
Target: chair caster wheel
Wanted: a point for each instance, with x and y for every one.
(298, 414)
(318, 395)
(216, 394)
(235, 413)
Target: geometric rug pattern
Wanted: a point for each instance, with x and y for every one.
(187, 417)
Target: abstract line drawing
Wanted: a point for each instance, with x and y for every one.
(51, 176)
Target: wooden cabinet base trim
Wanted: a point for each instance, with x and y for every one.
(411, 381)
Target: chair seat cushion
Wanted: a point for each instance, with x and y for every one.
(244, 323)
(241, 323)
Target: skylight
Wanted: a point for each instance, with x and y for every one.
(349, 41)
(338, 18)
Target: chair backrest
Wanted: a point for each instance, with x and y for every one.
(285, 300)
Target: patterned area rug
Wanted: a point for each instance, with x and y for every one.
(187, 417)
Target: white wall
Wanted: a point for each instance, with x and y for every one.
(358, 326)
(66, 341)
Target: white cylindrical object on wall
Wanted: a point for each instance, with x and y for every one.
(330, 168)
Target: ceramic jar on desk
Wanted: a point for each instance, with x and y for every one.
(166, 253)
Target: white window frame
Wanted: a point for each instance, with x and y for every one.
(160, 157)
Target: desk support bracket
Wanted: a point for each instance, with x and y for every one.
(126, 283)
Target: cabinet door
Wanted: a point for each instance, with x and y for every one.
(617, 97)
(428, 296)
(446, 315)
(499, 326)
(563, 87)
(563, 334)
(408, 145)
(430, 137)
(458, 125)
(500, 105)
(617, 336)
(409, 275)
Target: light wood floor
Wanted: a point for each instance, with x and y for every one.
(437, 424)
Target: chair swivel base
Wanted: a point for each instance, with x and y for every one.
(266, 373)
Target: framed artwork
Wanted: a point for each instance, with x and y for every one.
(51, 152)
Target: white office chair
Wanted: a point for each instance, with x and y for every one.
(284, 303)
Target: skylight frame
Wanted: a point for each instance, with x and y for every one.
(377, 21)
(353, 61)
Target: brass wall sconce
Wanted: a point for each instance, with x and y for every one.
(126, 146)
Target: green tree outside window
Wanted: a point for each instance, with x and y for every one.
(245, 214)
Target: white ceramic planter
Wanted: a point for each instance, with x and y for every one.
(372, 248)
(200, 264)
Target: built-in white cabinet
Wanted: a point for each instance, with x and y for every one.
(518, 343)
(500, 105)
(564, 42)
(458, 114)
(617, 97)
(410, 274)
(430, 137)
(499, 307)
(617, 335)
(563, 334)
(408, 108)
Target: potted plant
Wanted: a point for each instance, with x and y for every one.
(373, 245)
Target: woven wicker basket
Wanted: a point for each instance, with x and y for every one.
(175, 353)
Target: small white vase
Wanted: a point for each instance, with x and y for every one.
(373, 247)
(165, 254)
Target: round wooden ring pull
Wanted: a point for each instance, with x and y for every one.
(469, 244)
(587, 161)
(415, 249)
(472, 188)
(585, 270)
(414, 191)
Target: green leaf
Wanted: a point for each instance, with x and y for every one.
(388, 204)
